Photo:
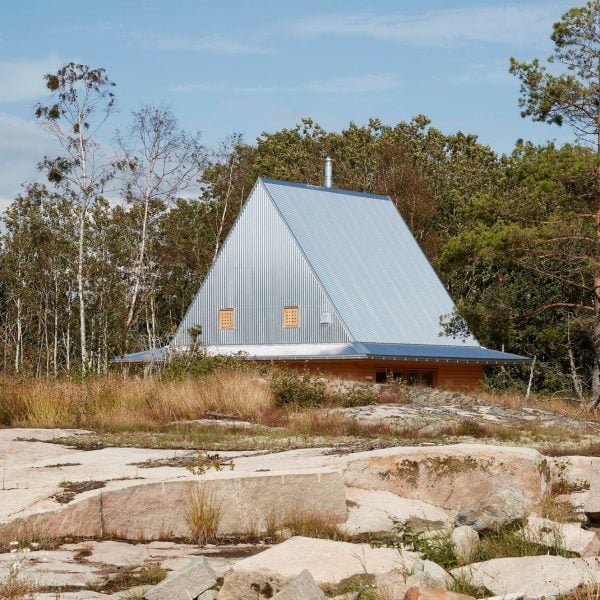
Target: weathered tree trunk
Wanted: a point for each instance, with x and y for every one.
(595, 396)
(18, 344)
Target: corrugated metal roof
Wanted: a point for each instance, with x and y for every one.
(147, 356)
(368, 262)
(325, 250)
(407, 352)
(259, 270)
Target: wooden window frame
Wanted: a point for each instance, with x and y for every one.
(291, 317)
(226, 318)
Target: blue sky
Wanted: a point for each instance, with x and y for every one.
(251, 66)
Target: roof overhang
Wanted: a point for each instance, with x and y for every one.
(352, 351)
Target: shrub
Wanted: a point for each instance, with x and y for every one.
(436, 546)
(200, 364)
(303, 390)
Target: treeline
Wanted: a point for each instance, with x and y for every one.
(105, 257)
(504, 233)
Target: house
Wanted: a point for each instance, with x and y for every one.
(333, 281)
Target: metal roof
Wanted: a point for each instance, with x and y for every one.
(346, 254)
(406, 352)
(368, 262)
(147, 356)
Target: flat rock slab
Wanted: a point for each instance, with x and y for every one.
(156, 510)
(438, 409)
(451, 477)
(327, 561)
(83, 595)
(379, 510)
(189, 582)
(57, 574)
(532, 576)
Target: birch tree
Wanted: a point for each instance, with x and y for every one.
(81, 102)
(159, 162)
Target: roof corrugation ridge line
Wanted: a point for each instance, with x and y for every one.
(212, 266)
(310, 266)
(394, 275)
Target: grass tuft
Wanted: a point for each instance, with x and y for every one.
(203, 515)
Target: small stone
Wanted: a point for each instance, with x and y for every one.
(499, 509)
(392, 584)
(187, 583)
(466, 542)
(428, 574)
(564, 535)
(417, 592)
(303, 587)
(592, 503)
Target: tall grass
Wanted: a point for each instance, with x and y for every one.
(203, 515)
(113, 404)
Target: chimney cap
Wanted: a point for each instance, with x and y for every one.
(328, 172)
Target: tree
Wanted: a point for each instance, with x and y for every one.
(159, 162)
(572, 96)
(82, 101)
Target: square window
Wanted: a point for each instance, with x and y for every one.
(412, 379)
(427, 379)
(290, 316)
(226, 318)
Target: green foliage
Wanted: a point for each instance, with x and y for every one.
(508, 542)
(463, 584)
(305, 390)
(302, 390)
(435, 546)
(200, 364)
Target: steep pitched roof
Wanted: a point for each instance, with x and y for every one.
(368, 262)
(330, 250)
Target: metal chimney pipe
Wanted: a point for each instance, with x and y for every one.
(328, 169)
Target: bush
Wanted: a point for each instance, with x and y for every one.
(306, 390)
(303, 390)
(200, 364)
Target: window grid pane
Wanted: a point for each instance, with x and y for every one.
(290, 316)
(226, 318)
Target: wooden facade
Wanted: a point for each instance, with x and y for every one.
(447, 375)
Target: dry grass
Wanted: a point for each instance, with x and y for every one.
(315, 422)
(203, 515)
(113, 404)
(131, 576)
(559, 511)
(16, 589)
(310, 524)
(26, 534)
(560, 405)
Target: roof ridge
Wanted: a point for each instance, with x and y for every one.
(320, 188)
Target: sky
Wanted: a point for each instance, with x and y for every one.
(250, 66)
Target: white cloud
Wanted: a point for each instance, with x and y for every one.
(22, 145)
(23, 79)
(505, 24)
(214, 43)
(211, 43)
(494, 72)
(383, 82)
(357, 84)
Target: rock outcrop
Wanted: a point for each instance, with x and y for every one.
(329, 562)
